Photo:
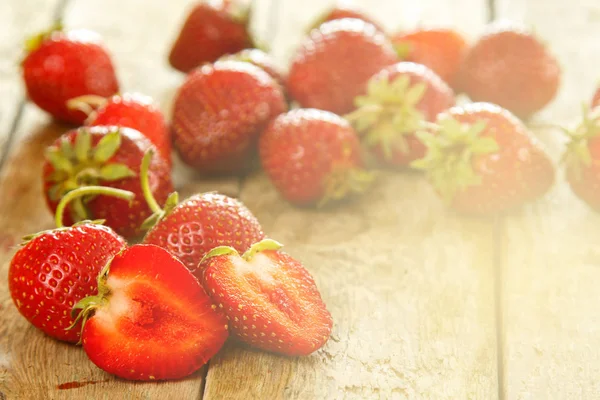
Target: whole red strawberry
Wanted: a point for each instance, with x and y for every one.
(442, 50)
(260, 59)
(511, 68)
(341, 11)
(61, 65)
(192, 228)
(270, 299)
(219, 112)
(483, 160)
(583, 159)
(399, 100)
(212, 29)
(313, 156)
(55, 269)
(104, 156)
(335, 62)
(151, 319)
(129, 110)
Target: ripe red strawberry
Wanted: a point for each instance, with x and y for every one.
(442, 50)
(511, 68)
(260, 59)
(212, 29)
(62, 65)
(105, 156)
(342, 11)
(195, 226)
(151, 319)
(335, 62)
(129, 110)
(313, 156)
(583, 159)
(55, 269)
(483, 160)
(219, 112)
(399, 100)
(270, 299)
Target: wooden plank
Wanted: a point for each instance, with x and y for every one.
(550, 251)
(410, 286)
(33, 366)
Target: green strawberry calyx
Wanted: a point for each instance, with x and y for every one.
(448, 163)
(258, 247)
(84, 308)
(388, 113)
(343, 182)
(158, 212)
(32, 43)
(578, 154)
(80, 164)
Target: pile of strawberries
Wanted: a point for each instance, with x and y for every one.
(354, 99)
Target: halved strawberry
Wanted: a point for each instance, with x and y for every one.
(270, 299)
(151, 318)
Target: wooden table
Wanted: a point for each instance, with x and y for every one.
(427, 304)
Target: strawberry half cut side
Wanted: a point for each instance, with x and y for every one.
(270, 299)
(151, 318)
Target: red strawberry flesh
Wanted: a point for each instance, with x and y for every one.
(156, 321)
(271, 301)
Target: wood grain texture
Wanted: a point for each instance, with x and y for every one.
(550, 254)
(410, 287)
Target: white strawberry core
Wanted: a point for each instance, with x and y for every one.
(260, 265)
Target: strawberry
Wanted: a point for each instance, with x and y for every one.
(151, 319)
(313, 156)
(583, 159)
(399, 100)
(510, 67)
(219, 112)
(190, 229)
(105, 156)
(335, 62)
(61, 65)
(128, 110)
(211, 30)
(483, 160)
(270, 299)
(442, 50)
(55, 269)
(342, 11)
(261, 60)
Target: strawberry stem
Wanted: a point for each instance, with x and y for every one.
(84, 191)
(157, 212)
(145, 182)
